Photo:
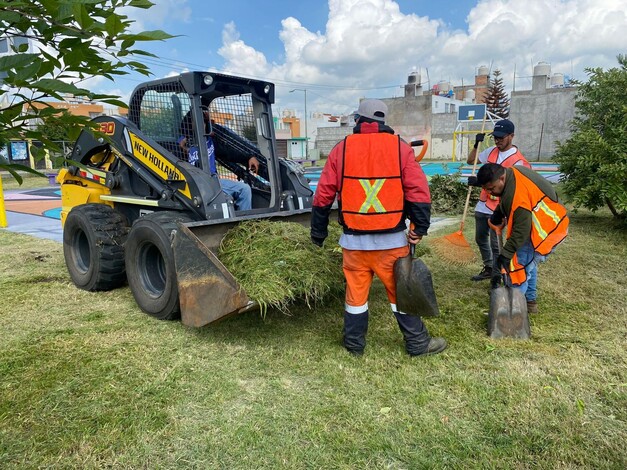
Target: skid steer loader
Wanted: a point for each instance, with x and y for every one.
(135, 210)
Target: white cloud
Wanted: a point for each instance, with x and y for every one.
(160, 14)
(241, 58)
(371, 43)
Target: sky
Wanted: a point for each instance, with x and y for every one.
(343, 50)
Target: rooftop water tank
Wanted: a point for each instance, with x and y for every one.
(443, 86)
(483, 70)
(414, 78)
(557, 80)
(542, 68)
(470, 96)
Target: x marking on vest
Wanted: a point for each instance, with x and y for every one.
(371, 196)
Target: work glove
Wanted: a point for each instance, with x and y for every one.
(318, 241)
(503, 262)
(495, 281)
(472, 181)
(496, 218)
(478, 138)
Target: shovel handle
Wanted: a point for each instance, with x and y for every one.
(499, 231)
(497, 228)
(412, 246)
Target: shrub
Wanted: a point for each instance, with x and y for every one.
(448, 194)
(593, 160)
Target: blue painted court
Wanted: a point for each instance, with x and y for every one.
(549, 170)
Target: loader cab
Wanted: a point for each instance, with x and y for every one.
(235, 115)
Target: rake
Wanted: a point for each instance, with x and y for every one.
(454, 247)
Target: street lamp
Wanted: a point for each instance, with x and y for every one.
(306, 135)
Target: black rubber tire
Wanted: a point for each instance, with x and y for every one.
(150, 268)
(93, 247)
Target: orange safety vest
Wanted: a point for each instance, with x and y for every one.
(371, 194)
(549, 221)
(513, 159)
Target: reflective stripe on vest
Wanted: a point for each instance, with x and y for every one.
(492, 201)
(371, 193)
(549, 222)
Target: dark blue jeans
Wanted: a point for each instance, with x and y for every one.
(486, 240)
(528, 257)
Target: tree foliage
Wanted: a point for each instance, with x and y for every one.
(55, 128)
(448, 194)
(497, 100)
(70, 41)
(593, 160)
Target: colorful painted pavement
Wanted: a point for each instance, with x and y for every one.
(35, 212)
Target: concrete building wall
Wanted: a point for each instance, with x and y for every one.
(542, 117)
(441, 143)
(329, 136)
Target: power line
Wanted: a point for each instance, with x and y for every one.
(165, 62)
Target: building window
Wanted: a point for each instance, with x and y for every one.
(452, 108)
(447, 107)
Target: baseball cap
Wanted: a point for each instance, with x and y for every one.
(503, 127)
(373, 109)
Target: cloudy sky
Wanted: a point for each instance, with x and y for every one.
(342, 50)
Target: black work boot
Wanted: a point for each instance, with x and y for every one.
(486, 273)
(436, 345)
(414, 332)
(355, 329)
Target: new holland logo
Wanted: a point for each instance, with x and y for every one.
(156, 163)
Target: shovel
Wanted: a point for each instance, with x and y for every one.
(414, 287)
(508, 317)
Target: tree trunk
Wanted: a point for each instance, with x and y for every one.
(612, 208)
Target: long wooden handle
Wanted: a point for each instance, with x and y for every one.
(474, 167)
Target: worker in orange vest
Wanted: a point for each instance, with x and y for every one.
(506, 154)
(378, 185)
(536, 221)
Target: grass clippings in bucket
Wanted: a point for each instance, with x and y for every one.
(276, 263)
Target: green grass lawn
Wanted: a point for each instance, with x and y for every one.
(89, 381)
(29, 181)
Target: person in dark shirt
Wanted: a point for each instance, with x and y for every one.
(238, 190)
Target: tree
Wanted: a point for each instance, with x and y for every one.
(497, 101)
(71, 41)
(593, 161)
(55, 129)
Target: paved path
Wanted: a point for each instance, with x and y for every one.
(34, 212)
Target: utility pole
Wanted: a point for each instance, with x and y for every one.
(304, 90)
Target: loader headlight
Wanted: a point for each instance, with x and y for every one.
(266, 89)
(208, 79)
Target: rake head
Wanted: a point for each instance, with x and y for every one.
(454, 249)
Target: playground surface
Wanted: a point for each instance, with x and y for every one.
(35, 212)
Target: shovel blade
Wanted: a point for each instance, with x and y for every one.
(414, 288)
(508, 317)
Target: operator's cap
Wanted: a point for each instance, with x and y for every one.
(373, 109)
(503, 127)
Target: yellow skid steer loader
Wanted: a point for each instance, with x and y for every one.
(136, 210)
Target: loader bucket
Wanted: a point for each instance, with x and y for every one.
(207, 290)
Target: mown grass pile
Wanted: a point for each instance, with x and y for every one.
(276, 263)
